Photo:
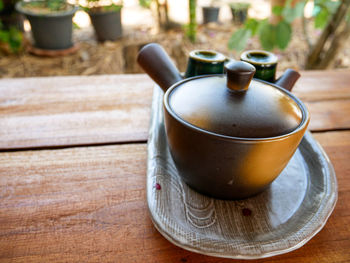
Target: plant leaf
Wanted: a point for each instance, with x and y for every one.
(4, 36)
(277, 10)
(267, 36)
(322, 18)
(299, 9)
(283, 34)
(1, 5)
(252, 25)
(75, 25)
(316, 10)
(288, 3)
(145, 3)
(332, 6)
(113, 7)
(290, 13)
(239, 39)
(16, 39)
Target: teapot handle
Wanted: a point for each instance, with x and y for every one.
(288, 79)
(157, 64)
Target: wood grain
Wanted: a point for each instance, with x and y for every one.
(68, 111)
(59, 111)
(327, 96)
(88, 204)
(329, 115)
(323, 85)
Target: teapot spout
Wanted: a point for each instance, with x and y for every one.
(157, 64)
(288, 79)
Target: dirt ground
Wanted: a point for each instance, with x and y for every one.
(120, 56)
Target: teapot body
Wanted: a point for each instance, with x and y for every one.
(225, 167)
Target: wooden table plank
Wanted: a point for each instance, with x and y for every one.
(58, 111)
(323, 85)
(66, 111)
(329, 115)
(88, 204)
(327, 96)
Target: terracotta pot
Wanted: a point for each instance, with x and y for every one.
(229, 137)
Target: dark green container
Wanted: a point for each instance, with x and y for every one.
(205, 62)
(107, 25)
(51, 31)
(264, 62)
(239, 12)
(210, 14)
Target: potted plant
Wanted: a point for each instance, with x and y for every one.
(211, 12)
(11, 39)
(51, 22)
(11, 27)
(239, 12)
(105, 17)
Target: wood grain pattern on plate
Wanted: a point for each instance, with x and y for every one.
(281, 219)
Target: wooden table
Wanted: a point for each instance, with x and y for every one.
(73, 170)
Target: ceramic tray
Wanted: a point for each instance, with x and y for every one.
(283, 218)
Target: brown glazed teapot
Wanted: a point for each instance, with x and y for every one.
(229, 136)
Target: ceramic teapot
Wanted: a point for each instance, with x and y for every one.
(229, 135)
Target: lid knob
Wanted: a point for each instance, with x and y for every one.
(239, 74)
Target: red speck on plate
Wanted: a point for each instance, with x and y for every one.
(246, 212)
(157, 186)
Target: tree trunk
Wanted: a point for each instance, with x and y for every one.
(323, 53)
(162, 13)
(164, 21)
(337, 44)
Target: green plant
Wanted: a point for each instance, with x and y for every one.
(240, 6)
(145, 3)
(45, 6)
(56, 5)
(98, 5)
(270, 35)
(279, 35)
(332, 16)
(11, 38)
(324, 51)
(323, 10)
(191, 28)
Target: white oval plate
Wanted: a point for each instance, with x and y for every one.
(283, 218)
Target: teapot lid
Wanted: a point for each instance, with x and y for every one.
(235, 105)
